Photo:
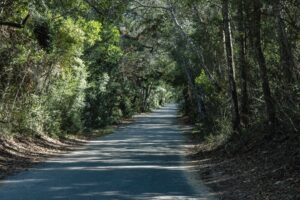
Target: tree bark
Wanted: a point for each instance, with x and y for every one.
(256, 28)
(230, 70)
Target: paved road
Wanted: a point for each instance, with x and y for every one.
(142, 161)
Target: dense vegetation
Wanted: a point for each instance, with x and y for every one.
(65, 67)
(72, 65)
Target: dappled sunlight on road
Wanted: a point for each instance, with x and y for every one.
(140, 161)
(23, 181)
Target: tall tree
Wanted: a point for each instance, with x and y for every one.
(260, 57)
(241, 41)
(230, 66)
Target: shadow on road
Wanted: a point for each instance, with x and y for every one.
(141, 161)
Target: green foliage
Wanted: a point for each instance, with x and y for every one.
(49, 75)
(69, 39)
(114, 53)
(71, 67)
(92, 30)
(203, 81)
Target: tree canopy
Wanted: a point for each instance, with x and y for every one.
(74, 65)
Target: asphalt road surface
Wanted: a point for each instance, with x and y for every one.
(141, 161)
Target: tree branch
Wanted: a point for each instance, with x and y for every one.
(94, 7)
(150, 6)
(16, 25)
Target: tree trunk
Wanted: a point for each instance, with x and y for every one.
(241, 40)
(198, 50)
(197, 92)
(256, 28)
(286, 55)
(229, 58)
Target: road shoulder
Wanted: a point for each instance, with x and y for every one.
(258, 173)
